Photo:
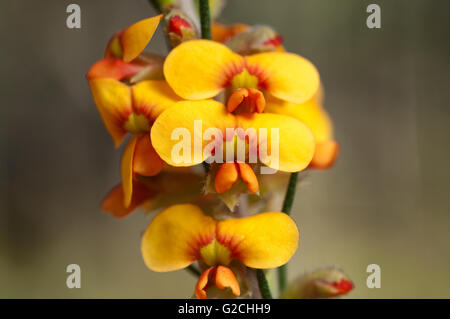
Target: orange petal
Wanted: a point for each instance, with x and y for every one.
(221, 276)
(226, 279)
(226, 176)
(248, 176)
(199, 69)
(113, 68)
(135, 38)
(325, 155)
(262, 241)
(113, 100)
(113, 202)
(173, 239)
(146, 161)
(202, 282)
(127, 170)
(287, 76)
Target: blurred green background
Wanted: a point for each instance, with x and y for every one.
(385, 202)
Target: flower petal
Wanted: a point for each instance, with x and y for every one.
(225, 178)
(113, 202)
(135, 38)
(318, 120)
(179, 122)
(248, 176)
(295, 141)
(225, 278)
(222, 277)
(200, 69)
(310, 113)
(173, 239)
(262, 241)
(146, 161)
(127, 170)
(152, 97)
(202, 283)
(285, 75)
(113, 68)
(113, 100)
(325, 155)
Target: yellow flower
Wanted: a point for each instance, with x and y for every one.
(201, 69)
(132, 109)
(295, 140)
(182, 234)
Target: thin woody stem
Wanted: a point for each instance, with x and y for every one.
(287, 206)
(263, 284)
(205, 26)
(205, 19)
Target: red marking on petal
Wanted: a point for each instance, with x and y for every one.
(231, 242)
(201, 241)
(260, 73)
(231, 70)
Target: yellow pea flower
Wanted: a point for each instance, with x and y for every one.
(182, 234)
(201, 69)
(295, 140)
(132, 109)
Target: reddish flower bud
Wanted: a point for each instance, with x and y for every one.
(321, 283)
(256, 39)
(179, 27)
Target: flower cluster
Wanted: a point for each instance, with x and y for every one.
(213, 128)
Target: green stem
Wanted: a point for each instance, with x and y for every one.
(287, 206)
(263, 284)
(193, 270)
(290, 194)
(205, 19)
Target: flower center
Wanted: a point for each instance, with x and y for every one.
(137, 123)
(215, 254)
(244, 80)
(246, 100)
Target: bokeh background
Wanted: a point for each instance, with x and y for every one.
(386, 201)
